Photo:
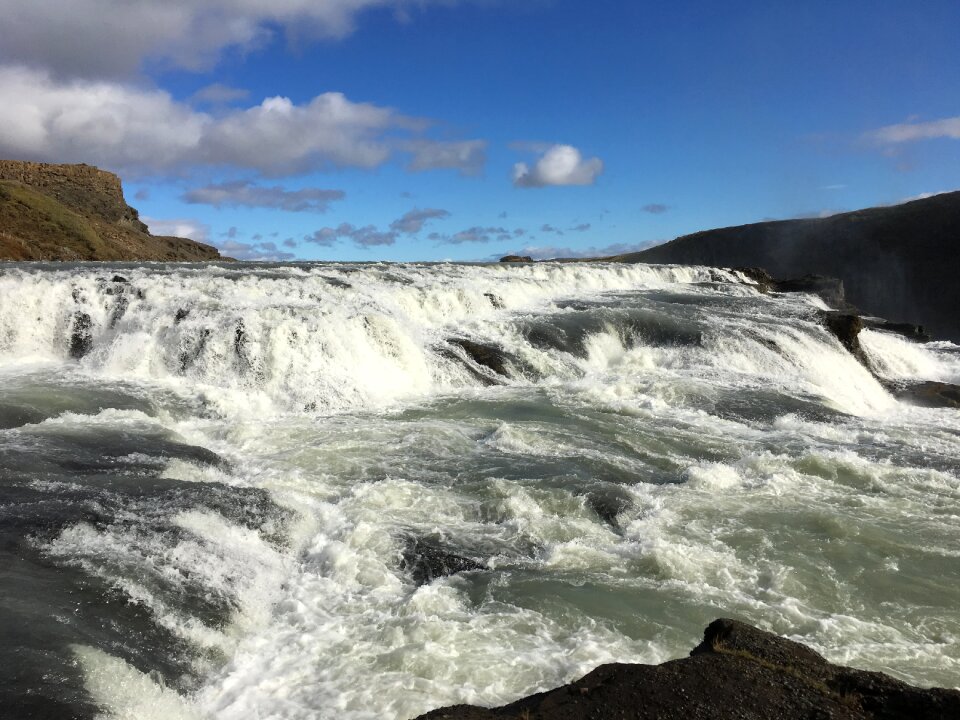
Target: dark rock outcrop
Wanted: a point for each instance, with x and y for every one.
(81, 337)
(737, 672)
(426, 561)
(897, 262)
(488, 356)
(846, 328)
(829, 289)
(516, 258)
(927, 393)
(917, 333)
(77, 212)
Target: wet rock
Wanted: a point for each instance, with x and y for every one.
(927, 393)
(737, 672)
(181, 315)
(516, 259)
(488, 356)
(119, 310)
(828, 289)
(426, 561)
(760, 276)
(917, 333)
(846, 328)
(119, 279)
(192, 350)
(608, 503)
(81, 338)
(494, 300)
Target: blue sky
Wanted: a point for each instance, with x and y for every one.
(467, 129)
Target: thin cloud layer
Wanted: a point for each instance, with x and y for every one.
(559, 165)
(243, 193)
(655, 208)
(466, 156)
(129, 128)
(363, 237)
(914, 131)
(413, 221)
(112, 38)
(476, 234)
(548, 252)
(258, 251)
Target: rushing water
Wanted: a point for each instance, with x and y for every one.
(218, 484)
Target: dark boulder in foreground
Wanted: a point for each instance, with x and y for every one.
(737, 672)
(516, 258)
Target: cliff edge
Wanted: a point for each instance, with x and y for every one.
(77, 212)
(899, 262)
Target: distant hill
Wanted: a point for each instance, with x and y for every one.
(900, 262)
(77, 212)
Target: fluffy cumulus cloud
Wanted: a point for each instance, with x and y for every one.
(100, 38)
(413, 221)
(129, 128)
(559, 165)
(913, 131)
(243, 193)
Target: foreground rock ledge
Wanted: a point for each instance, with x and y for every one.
(737, 671)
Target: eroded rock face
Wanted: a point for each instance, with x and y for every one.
(736, 672)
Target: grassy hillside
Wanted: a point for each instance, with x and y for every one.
(77, 212)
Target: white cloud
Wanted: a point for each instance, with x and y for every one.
(913, 131)
(559, 165)
(111, 38)
(182, 227)
(126, 127)
(243, 193)
(467, 156)
(219, 94)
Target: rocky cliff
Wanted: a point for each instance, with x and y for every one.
(77, 212)
(899, 262)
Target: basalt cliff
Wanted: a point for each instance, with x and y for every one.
(899, 262)
(75, 213)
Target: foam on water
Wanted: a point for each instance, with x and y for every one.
(669, 446)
